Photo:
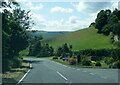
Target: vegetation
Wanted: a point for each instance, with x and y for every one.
(90, 46)
(87, 38)
(14, 36)
(36, 49)
(108, 22)
(14, 75)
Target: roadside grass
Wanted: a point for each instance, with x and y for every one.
(36, 57)
(104, 65)
(15, 74)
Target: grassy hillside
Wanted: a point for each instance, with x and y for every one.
(82, 39)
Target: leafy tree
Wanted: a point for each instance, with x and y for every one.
(51, 51)
(107, 29)
(117, 13)
(92, 24)
(112, 19)
(15, 38)
(65, 48)
(101, 20)
(59, 51)
(116, 29)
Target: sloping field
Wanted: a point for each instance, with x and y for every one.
(87, 38)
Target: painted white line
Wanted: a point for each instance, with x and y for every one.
(24, 76)
(61, 75)
(92, 73)
(78, 69)
(64, 65)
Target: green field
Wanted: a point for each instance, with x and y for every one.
(87, 38)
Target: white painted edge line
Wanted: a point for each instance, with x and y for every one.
(24, 75)
(62, 75)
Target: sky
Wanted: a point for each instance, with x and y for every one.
(64, 16)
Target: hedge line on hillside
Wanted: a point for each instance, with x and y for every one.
(115, 53)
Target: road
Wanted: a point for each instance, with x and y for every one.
(46, 71)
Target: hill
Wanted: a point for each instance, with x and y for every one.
(48, 34)
(87, 38)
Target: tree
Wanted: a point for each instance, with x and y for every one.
(65, 48)
(112, 19)
(117, 13)
(101, 20)
(92, 24)
(51, 51)
(107, 29)
(59, 51)
(14, 25)
(116, 29)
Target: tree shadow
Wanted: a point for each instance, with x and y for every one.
(9, 81)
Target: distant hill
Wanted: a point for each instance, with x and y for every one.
(87, 38)
(48, 34)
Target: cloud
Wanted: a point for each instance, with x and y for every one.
(34, 7)
(72, 23)
(29, 4)
(60, 9)
(38, 7)
(91, 7)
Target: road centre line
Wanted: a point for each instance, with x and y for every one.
(92, 73)
(62, 75)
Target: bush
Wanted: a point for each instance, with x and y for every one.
(98, 64)
(6, 65)
(108, 60)
(17, 62)
(86, 62)
(116, 64)
(72, 61)
(95, 58)
(55, 58)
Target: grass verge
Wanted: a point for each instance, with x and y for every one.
(104, 66)
(15, 74)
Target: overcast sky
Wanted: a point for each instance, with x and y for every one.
(64, 16)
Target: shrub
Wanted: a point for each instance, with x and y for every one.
(86, 62)
(96, 58)
(55, 58)
(98, 64)
(72, 61)
(108, 60)
(17, 62)
(116, 64)
(93, 62)
(6, 65)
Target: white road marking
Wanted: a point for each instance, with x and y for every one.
(62, 75)
(78, 69)
(92, 73)
(23, 77)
